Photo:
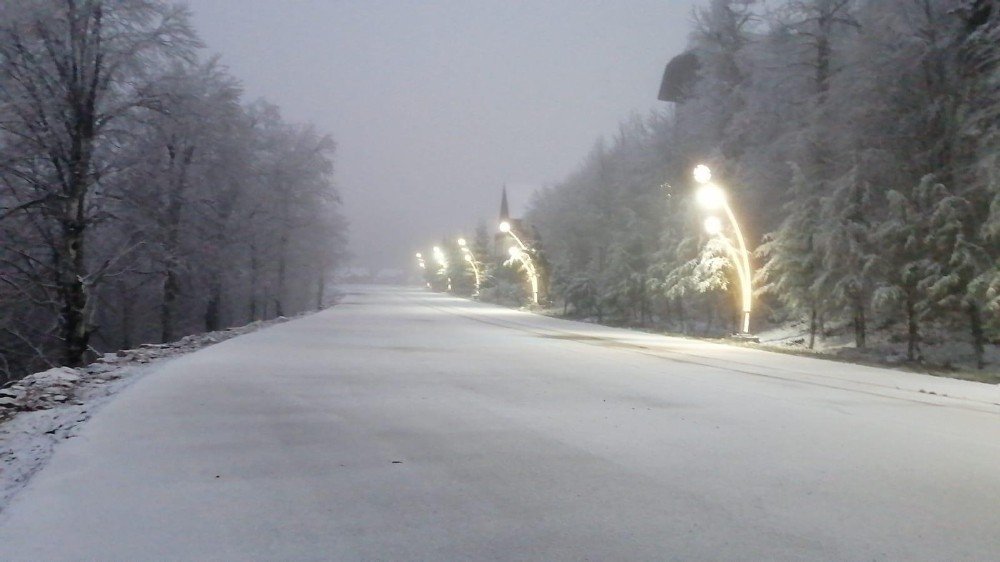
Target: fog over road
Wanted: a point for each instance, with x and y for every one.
(404, 425)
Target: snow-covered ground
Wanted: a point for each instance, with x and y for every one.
(43, 409)
(945, 353)
(409, 425)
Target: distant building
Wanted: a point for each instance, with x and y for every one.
(501, 241)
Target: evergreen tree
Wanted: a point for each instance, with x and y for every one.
(791, 259)
(904, 238)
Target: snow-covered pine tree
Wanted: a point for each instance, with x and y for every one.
(903, 238)
(848, 247)
(790, 256)
(955, 278)
(979, 47)
(712, 276)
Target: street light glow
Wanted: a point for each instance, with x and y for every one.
(520, 253)
(702, 174)
(713, 225)
(468, 256)
(711, 196)
(440, 258)
(419, 255)
(529, 268)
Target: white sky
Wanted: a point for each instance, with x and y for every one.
(436, 105)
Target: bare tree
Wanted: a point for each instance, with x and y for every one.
(72, 71)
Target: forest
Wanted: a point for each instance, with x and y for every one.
(141, 197)
(859, 143)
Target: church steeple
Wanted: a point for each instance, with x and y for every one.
(504, 211)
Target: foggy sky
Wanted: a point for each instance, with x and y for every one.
(436, 105)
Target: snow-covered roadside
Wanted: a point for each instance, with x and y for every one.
(944, 354)
(42, 409)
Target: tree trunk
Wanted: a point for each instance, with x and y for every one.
(320, 290)
(978, 336)
(279, 308)
(81, 90)
(254, 273)
(860, 326)
(812, 327)
(75, 332)
(179, 162)
(823, 55)
(213, 319)
(72, 271)
(286, 226)
(265, 302)
(170, 290)
(912, 328)
(126, 320)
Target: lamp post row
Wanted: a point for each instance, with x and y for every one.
(709, 195)
(520, 253)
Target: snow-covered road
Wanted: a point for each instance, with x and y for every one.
(403, 425)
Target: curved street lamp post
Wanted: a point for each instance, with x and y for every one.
(712, 197)
(529, 267)
(468, 256)
(522, 254)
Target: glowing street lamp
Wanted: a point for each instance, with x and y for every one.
(702, 174)
(442, 260)
(713, 225)
(712, 197)
(439, 257)
(471, 259)
(506, 229)
(524, 257)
